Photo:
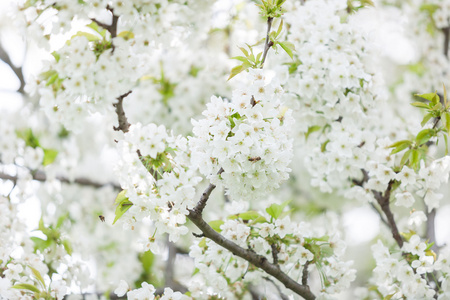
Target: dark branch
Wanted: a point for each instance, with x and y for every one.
(305, 273)
(124, 126)
(250, 256)
(383, 201)
(17, 70)
(268, 43)
(112, 28)
(205, 196)
(41, 176)
(446, 32)
(274, 254)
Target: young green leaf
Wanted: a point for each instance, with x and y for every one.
(420, 104)
(275, 210)
(26, 286)
(288, 47)
(216, 225)
(38, 276)
(424, 136)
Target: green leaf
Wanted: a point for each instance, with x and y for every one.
(279, 28)
(89, 36)
(121, 197)
(420, 104)
(424, 136)
(401, 146)
(399, 143)
(123, 204)
(429, 8)
(447, 121)
(202, 243)
(236, 70)
(426, 119)
(249, 215)
(389, 297)
(275, 210)
(432, 97)
(405, 157)
(288, 47)
(240, 58)
(446, 144)
(326, 250)
(28, 136)
(126, 35)
(312, 129)
(68, 246)
(49, 156)
(97, 28)
(216, 225)
(56, 56)
(38, 276)
(26, 286)
(414, 159)
(147, 258)
(445, 96)
(244, 51)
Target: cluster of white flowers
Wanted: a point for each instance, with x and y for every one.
(154, 170)
(296, 248)
(400, 278)
(18, 262)
(332, 92)
(248, 138)
(147, 291)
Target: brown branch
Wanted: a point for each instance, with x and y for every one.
(4, 56)
(305, 273)
(268, 43)
(111, 28)
(274, 254)
(250, 256)
(205, 196)
(446, 31)
(124, 126)
(41, 176)
(383, 201)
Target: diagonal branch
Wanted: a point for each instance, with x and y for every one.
(250, 256)
(383, 201)
(124, 125)
(205, 196)
(4, 56)
(41, 176)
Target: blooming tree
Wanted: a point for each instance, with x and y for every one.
(211, 149)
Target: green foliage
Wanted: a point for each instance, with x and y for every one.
(271, 8)
(28, 136)
(312, 129)
(275, 210)
(26, 286)
(216, 225)
(355, 5)
(123, 204)
(418, 146)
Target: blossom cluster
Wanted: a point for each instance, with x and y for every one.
(295, 246)
(400, 275)
(154, 171)
(248, 137)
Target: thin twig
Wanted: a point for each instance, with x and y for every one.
(41, 176)
(446, 32)
(305, 273)
(274, 254)
(4, 56)
(431, 232)
(268, 43)
(112, 28)
(205, 196)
